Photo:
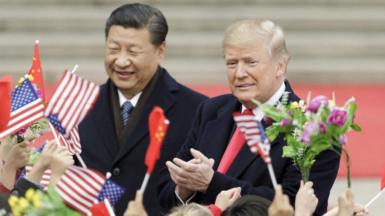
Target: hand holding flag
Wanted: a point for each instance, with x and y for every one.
(256, 139)
(158, 125)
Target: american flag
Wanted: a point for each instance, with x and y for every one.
(111, 191)
(71, 101)
(72, 143)
(254, 135)
(26, 108)
(80, 188)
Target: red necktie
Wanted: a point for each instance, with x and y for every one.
(233, 148)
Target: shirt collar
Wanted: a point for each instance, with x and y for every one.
(134, 100)
(272, 101)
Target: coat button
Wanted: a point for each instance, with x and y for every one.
(116, 171)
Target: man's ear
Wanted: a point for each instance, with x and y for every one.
(161, 52)
(281, 68)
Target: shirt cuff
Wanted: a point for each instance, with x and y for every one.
(188, 199)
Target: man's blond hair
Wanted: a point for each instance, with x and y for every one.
(191, 209)
(266, 29)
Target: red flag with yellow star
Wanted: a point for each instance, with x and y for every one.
(158, 125)
(36, 71)
(5, 95)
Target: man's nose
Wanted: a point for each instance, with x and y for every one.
(241, 71)
(122, 60)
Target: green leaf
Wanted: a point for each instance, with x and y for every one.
(356, 127)
(319, 144)
(272, 132)
(351, 109)
(289, 152)
(55, 197)
(273, 113)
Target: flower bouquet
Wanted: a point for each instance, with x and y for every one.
(311, 128)
(36, 203)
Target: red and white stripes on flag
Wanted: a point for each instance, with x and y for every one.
(72, 143)
(26, 108)
(45, 179)
(71, 101)
(80, 188)
(254, 135)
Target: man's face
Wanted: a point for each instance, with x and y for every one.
(131, 59)
(251, 71)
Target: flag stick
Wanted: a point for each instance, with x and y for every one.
(145, 182)
(374, 198)
(81, 161)
(54, 133)
(272, 175)
(74, 69)
(57, 141)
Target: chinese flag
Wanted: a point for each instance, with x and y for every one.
(5, 95)
(36, 71)
(158, 128)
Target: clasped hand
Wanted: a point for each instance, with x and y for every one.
(191, 176)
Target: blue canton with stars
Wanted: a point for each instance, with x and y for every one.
(23, 95)
(111, 191)
(261, 131)
(56, 123)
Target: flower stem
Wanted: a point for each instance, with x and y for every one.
(347, 159)
(305, 174)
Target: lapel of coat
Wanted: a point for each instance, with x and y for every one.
(219, 131)
(161, 95)
(103, 117)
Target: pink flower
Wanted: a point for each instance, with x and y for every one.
(343, 139)
(311, 129)
(337, 117)
(322, 128)
(285, 122)
(316, 102)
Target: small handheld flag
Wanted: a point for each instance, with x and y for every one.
(69, 104)
(256, 139)
(158, 125)
(36, 71)
(79, 188)
(5, 95)
(26, 108)
(111, 191)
